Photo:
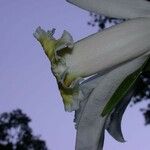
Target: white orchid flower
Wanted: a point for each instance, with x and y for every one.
(96, 54)
(116, 8)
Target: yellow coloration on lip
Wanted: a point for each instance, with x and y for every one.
(48, 45)
(69, 79)
(47, 41)
(67, 95)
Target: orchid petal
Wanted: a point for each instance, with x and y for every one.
(116, 8)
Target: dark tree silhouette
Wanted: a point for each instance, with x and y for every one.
(15, 133)
(142, 91)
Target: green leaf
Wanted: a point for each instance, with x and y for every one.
(146, 68)
(125, 87)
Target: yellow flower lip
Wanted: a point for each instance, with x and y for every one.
(47, 41)
(55, 50)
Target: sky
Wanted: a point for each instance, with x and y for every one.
(26, 81)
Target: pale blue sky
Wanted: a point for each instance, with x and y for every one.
(26, 80)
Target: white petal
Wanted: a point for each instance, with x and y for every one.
(90, 124)
(116, 8)
(110, 48)
(86, 89)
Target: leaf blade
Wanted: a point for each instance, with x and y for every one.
(124, 88)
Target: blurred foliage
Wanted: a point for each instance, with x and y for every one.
(102, 21)
(15, 133)
(142, 93)
(142, 89)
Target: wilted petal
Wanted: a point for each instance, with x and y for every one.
(116, 8)
(98, 53)
(90, 125)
